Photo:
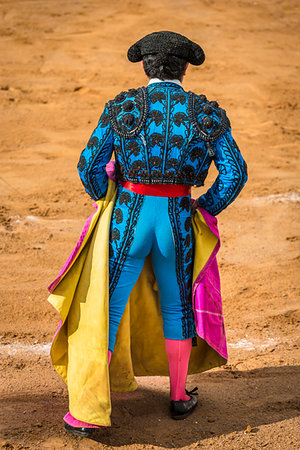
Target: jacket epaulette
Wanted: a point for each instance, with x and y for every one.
(128, 112)
(209, 120)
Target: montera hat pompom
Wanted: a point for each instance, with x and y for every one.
(167, 42)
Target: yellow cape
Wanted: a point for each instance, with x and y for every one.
(79, 349)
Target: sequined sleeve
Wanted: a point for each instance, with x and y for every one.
(232, 175)
(95, 156)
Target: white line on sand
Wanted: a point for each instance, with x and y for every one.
(254, 344)
(17, 348)
(280, 198)
(42, 220)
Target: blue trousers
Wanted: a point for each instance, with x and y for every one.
(159, 226)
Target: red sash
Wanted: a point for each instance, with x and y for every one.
(157, 190)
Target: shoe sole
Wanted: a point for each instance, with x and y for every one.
(78, 431)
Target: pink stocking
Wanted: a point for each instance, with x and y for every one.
(70, 420)
(178, 352)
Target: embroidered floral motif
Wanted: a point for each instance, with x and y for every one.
(185, 203)
(104, 120)
(133, 147)
(209, 199)
(118, 109)
(180, 118)
(189, 269)
(207, 109)
(177, 141)
(172, 163)
(189, 171)
(120, 97)
(138, 165)
(156, 139)
(188, 224)
(218, 186)
(197, 152)
(187, 240)
(132, 92)
(115, 235)
(118, 216)
(128, 120)
(128, 106)
(214, 104)
(155, 161)
(188, 256)
(157, 96)
(82, 163)
(157, 116)
(93, 142)
(179, 98)
(124, 198)
(207, 122)
(202, 98)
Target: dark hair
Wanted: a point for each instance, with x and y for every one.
(164, 67)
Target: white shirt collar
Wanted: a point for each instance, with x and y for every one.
(157, 80)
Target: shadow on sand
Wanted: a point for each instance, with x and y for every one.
(228, 401)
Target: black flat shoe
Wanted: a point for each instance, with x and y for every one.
(181, 409)
(79, 431)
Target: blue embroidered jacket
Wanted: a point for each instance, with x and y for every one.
(162, 134)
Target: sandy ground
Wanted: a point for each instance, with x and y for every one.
(60, 62)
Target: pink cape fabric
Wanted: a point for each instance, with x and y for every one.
(207, 297)
(70, 420)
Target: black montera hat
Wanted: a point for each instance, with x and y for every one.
(167, 42)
